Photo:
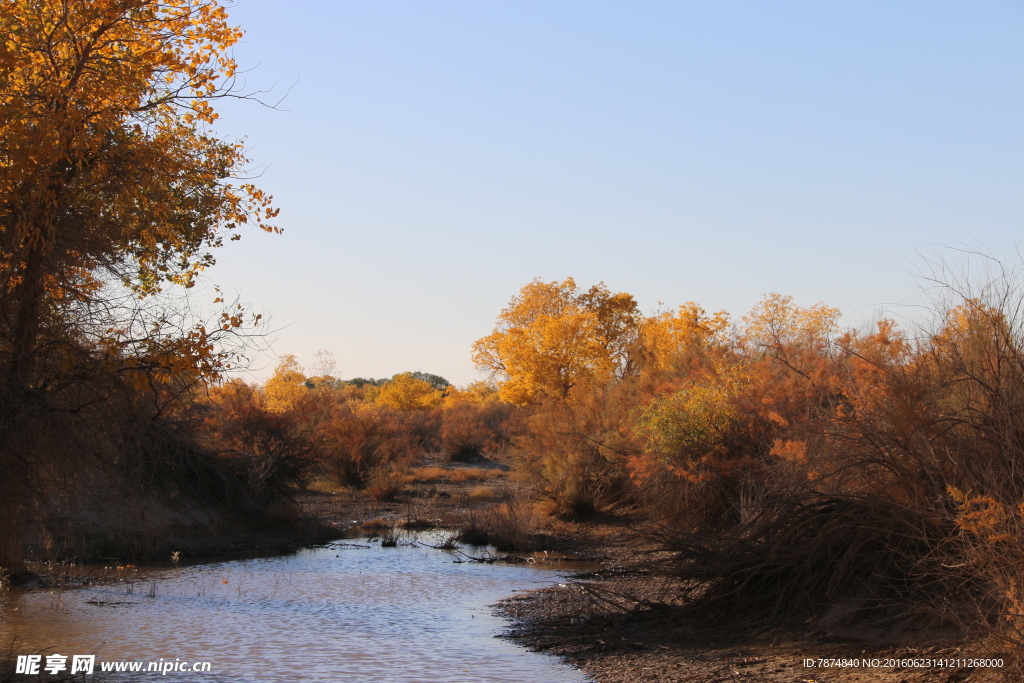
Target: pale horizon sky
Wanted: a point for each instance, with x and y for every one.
(432, 158)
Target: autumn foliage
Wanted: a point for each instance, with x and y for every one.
(796, 466)
(797, 469)
(114, 192)
(357, 434)
(553, 336)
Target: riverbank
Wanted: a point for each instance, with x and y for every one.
(431, 496)
(620, 625)
(227, 539)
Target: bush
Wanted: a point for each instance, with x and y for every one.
(272, 451)
(506, 526)
(469, 430)
(576, 450)
(384, 484)
(844, 561)
(361, 439)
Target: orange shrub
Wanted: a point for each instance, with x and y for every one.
(576, 450)
(360, 439)
(272, 451)
(468, 430)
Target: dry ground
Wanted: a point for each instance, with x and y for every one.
(598, 622)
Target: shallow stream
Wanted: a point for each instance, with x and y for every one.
(409, 614)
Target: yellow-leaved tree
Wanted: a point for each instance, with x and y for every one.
(779, 326)
(286, 386)
(553, 336)
(112, 187)
(669, 338)
(405, 391)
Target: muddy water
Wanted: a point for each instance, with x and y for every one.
(405, 614)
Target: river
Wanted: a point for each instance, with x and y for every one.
(407, 614)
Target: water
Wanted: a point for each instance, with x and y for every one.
(406, 614)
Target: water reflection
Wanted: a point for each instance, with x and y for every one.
(406, 614)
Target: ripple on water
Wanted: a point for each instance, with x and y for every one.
(405, 614)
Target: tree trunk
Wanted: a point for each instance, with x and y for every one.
(28, 299)
(17, 437)
(12, 564)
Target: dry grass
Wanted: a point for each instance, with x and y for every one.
(475, 474)
(481, 493)
(374, 525)
(507, 526)
(384, 484)
(432, 475)
(324, 485)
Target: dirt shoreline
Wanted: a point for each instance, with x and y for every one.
(597, 622)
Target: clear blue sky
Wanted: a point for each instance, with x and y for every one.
(433, 157)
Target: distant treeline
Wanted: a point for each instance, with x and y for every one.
(435, 381)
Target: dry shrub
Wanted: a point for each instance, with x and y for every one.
(425, 428)
(841, 523)
(704, 443)
(991, 548)
(384, 484)
(469, 430)
(421, 512)
(846, 562)
(507, 526)
(695, 506)
(389, 538)
(893, 481)
(272, 451)
(978, 356)
(576, 450)
(361, 439)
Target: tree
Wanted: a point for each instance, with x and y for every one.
(667, 339)
(111, 183)
(406, 391)
(779, 326)
(286, 386)
(436, 381)
(552, 336)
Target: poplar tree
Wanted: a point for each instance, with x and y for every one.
(110, 177)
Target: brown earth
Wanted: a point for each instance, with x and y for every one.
(599, 623)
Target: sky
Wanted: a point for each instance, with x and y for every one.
(431, 158)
